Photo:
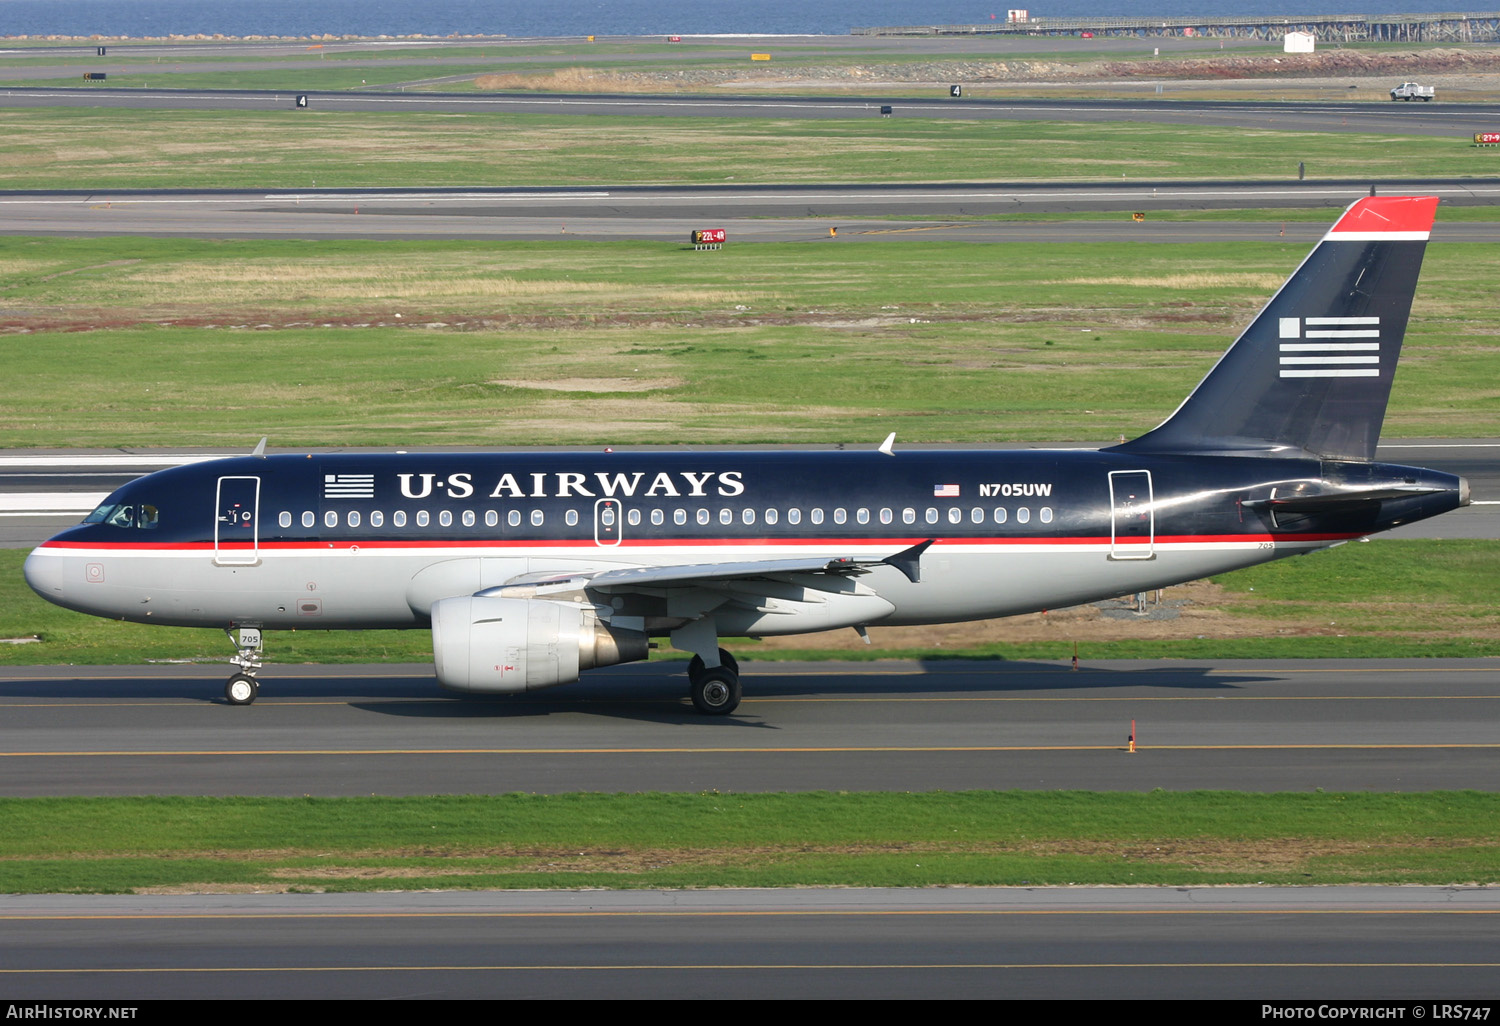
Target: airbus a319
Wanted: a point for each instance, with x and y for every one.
(532, 568)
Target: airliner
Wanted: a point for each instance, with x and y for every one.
(532, 568)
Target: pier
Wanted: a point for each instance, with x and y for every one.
(1343, 28)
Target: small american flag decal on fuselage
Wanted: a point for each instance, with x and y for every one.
(945, 491)
(1336, 354)
(348, 486)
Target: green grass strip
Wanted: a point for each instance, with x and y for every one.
(748, 840)
(102, 149)
(114, 342)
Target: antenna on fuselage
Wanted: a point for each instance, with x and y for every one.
(260, 448)
(887, 445)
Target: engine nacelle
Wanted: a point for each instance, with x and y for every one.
(494, 645)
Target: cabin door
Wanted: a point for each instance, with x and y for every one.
(1132, 516)
(237, 522)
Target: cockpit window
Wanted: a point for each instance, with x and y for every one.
(124, 514)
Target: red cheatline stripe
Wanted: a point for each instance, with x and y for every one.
(1381, 215)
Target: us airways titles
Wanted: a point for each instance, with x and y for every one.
(565, 484)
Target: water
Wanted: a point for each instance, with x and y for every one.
(137, 18)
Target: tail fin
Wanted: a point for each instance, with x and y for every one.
(1313, 371)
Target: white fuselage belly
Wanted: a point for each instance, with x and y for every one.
(347, 586)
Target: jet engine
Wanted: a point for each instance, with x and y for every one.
(493, 645)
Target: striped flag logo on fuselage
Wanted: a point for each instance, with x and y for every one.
(1338, 351)
(348, 486)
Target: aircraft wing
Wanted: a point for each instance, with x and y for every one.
(629, 579)
(698, 573)
(907, 561)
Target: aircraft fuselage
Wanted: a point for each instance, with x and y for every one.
(371, 541)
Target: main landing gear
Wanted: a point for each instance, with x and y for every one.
(715, 690)
(242, 688)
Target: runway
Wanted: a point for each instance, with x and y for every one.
(1408, 725)
(860, 213)
(1263, 944)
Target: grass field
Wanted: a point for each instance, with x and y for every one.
(116, 149)
(743, 840)
(1378, 600)
(181, 342)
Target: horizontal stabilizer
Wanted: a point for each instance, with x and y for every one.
(1320, 502)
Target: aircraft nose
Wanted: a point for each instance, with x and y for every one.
(44, 572)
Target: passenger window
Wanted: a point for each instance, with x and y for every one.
(468, 518)
(1046, 514)
(999, 514)
(679, 516)
(886, 516)
(330, 519)
(537, 518)
(932, 515)
(703, 516)
(491, 518)
(445, 518)
(513, 518)
(976, 515)
(572, 518)
(1023, 515)
(955, 515)
(633, 518)
(726, 516)
(816, 516)
(657, 517)
(772, 516)
(285, 519)
(308, 518)
(422, 518)
(862, 515)
(794, 516)
(353, 518)
(839, 516)
(908, 516)
(377, 518)
(399, 518)
(748, 516)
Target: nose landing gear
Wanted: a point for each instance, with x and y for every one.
(242, 688)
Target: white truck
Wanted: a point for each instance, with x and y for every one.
(1409, 91)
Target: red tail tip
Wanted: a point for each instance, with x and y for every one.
(1389, 214)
